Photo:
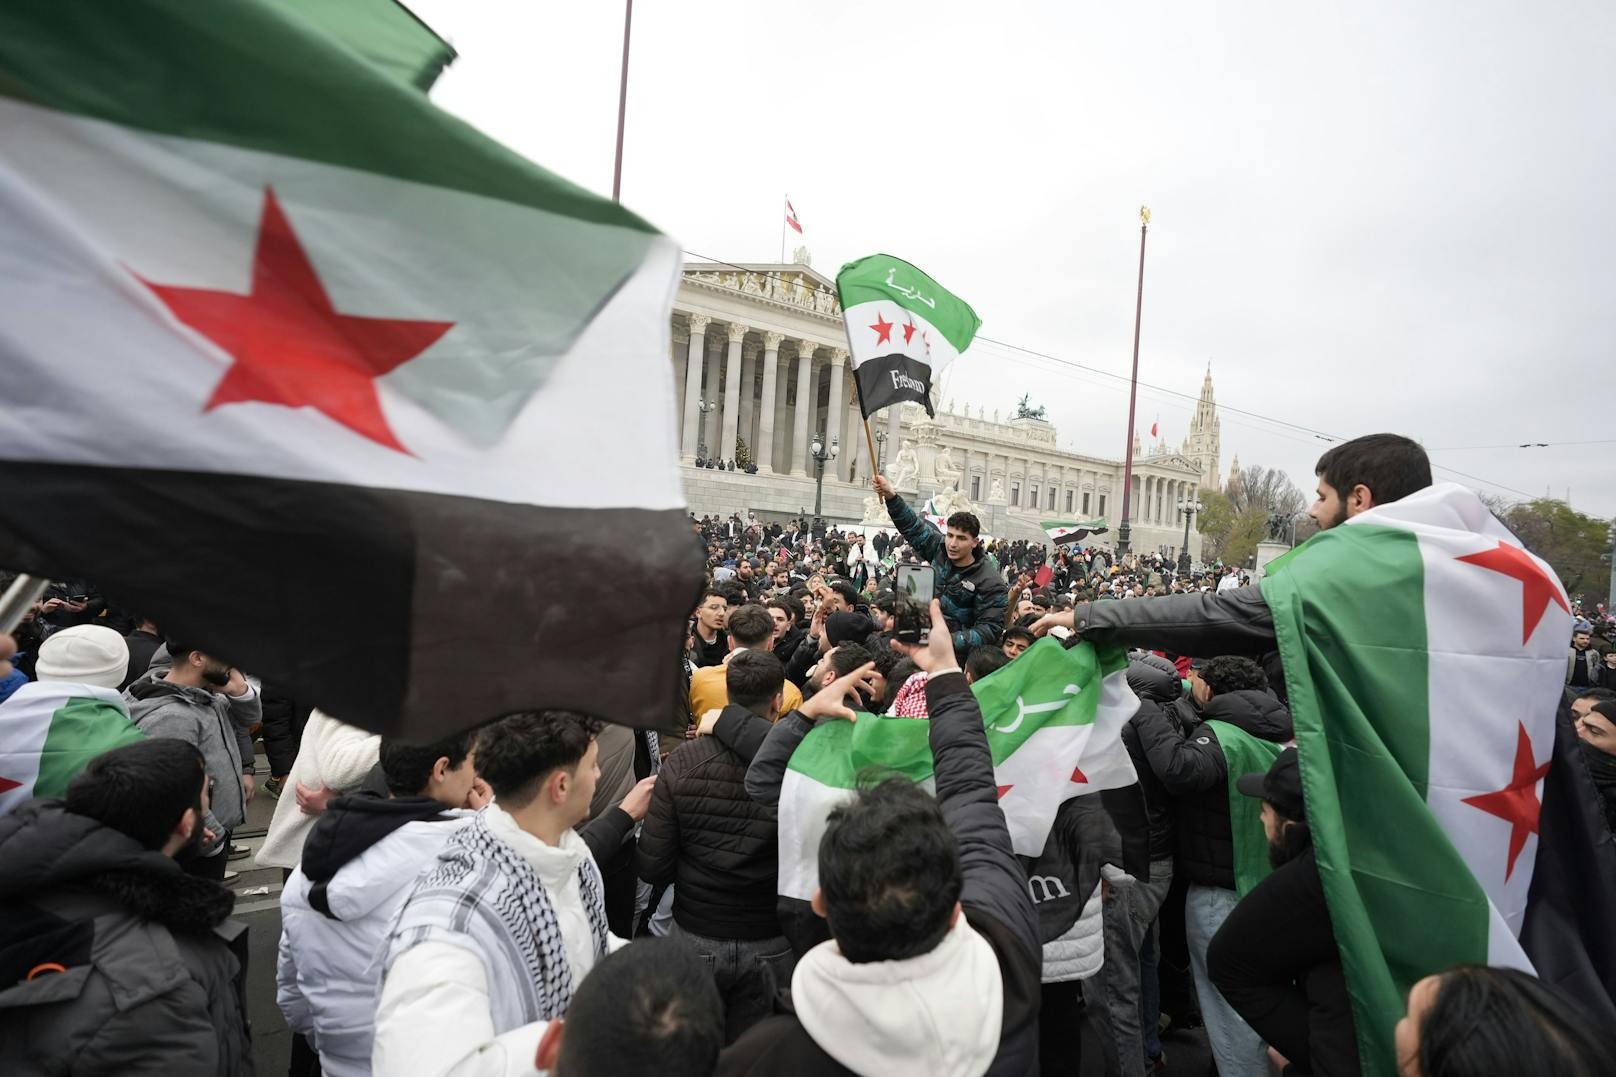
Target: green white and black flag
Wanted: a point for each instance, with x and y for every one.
(304, 368)
(903, 328)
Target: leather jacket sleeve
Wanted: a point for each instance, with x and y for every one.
(1234, 622)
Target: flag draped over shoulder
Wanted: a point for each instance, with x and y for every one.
(310, 371)
(903, 328)
(49, 730)
(1054, 722)
(1424, 654)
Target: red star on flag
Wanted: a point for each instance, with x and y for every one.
(1003, 789)
(909, 331)
(7, 785)
(1079, 776)
(1537, 589)
(883, 330)
(290, 346)
(1516, 803)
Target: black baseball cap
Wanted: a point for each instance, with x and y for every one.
(1281, 786)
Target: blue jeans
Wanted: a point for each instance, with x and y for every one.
(1149, 999)
(1237, 1049)
(748, 972)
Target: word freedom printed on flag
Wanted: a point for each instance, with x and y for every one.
(903, 329)
(1425, 652)
(304, 374)
(1054, 721)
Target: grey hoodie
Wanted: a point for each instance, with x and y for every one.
(217, 724)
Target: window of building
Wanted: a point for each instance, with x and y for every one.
(1052, 492)
(1068, 501)
(1086, 502)
(976, 487)
(1015, 493)
(1102, 504)
(1032, 496)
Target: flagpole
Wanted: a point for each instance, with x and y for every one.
(1133, 390)
(864, 413)
(622, 103)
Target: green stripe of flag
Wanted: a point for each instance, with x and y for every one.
(1349, 614)
(843, 754)
(883, 277)
(249, 74)
(80, 729)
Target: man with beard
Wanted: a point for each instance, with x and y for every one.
(1275, 959)
(1354, 477)
(207, 704)
(114, 960)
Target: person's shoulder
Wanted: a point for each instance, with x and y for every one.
(778, 1046)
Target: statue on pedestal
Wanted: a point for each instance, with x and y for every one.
(948, 472)
(947, 502)
(875, 512)
(996, 490)
(905, 468)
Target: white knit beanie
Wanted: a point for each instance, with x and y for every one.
(84, 654)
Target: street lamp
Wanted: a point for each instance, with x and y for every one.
(880, 449)
(1189, 506)
(703, 408)
(820, 453)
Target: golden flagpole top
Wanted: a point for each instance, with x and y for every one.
(1144, 215)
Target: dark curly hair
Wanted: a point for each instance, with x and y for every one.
(1231, 673)
(517, 753)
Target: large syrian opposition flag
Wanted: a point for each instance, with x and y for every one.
(1061, 531)
(1054, 722)
(49, 730)
(321, 378)
(903, 328)
(1424, 652)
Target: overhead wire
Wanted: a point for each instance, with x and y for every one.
(1314, 434)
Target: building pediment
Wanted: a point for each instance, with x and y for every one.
(798, 288)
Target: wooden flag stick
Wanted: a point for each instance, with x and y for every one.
(875, 461)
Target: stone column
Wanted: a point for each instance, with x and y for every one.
(749, 358)
(782, 417)
(763, 451)
(732, 393)
(678, 350)
(806, 386)
(693, 364)
(712, 379)
(836, 404)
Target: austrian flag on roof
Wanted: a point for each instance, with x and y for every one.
(305, 368)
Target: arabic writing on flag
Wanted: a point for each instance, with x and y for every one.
(903, 329)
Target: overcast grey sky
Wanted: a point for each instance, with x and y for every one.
(1371, 216)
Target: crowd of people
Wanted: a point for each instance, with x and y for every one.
(546, 892)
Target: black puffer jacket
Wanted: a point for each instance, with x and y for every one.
(1192, 768)
(717, 845)
(1154, 687)
(152, 983)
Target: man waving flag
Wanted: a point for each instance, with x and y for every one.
(301, 367)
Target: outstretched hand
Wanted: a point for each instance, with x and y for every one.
(1063, 619)
(831, 700)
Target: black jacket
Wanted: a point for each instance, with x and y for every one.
(993, 894)
(1154, 687)
(713, 842)
(1276, 961)
(1235, 622)
(152, 980)
(1191, 767)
